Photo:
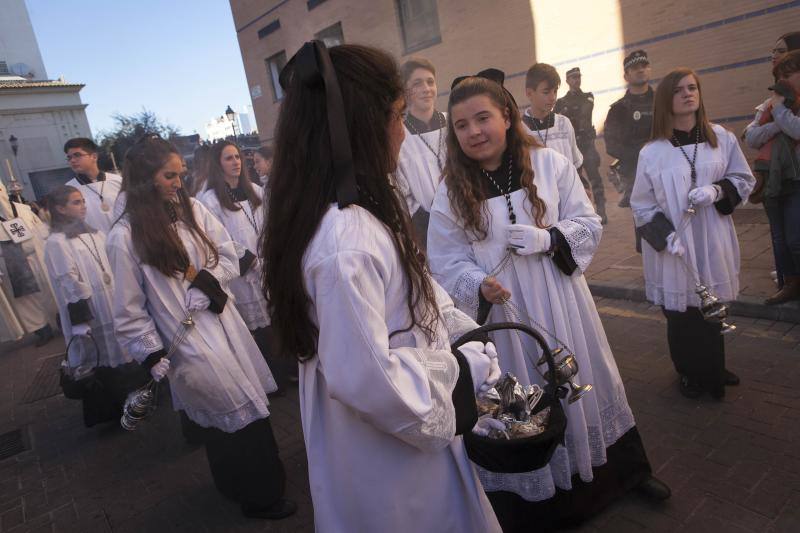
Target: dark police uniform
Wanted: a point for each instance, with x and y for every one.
(627, 129)
(577, 106)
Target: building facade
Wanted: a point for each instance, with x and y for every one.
(36, 113)
(726, 41)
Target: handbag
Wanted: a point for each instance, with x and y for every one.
(527, 453)
(74, 384)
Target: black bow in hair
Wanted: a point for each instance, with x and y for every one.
(493, 74)
(312, 64)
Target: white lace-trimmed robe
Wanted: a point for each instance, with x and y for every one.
(76, 276)
(217, 374)
(561, 138)
(25, 314)
(561, 303)
(248, 295)
(377, 413)
(663, 181)
(418, 173)
(95, 216)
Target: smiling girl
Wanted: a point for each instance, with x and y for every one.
(512, 221)
(171, 258)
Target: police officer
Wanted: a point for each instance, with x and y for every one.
(630, 120)
(577, 106)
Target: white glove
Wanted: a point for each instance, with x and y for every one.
(160, 369)
(81, 329)
(494, 368)
(485, 424)
(253, 276)
(674, 245)
(527, 240)
(196, 300)
(480, 363)
(705, 195)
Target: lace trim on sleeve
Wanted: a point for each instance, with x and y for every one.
(437, 429)
(466, 291)
(457, 323)
(144, 345)
(580, 241)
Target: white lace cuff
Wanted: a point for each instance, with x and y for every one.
(143, 345)
(581, 243)
(466, 293)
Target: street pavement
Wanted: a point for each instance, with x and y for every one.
(733, 465)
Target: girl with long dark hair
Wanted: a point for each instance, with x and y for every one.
(382, 397)
(83, 283)
(512, 231)
(690, 178)
(173, 258)
(237, 203)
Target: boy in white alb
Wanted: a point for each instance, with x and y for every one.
(423, 153)
(550, 129)
(99, 189)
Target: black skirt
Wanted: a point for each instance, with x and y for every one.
(245, 464)
(626, 467)
(697, 348)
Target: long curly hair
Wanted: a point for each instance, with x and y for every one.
(467, 187)
(303, 190)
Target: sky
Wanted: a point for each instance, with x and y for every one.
(177, 58)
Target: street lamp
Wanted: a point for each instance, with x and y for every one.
(231, 114)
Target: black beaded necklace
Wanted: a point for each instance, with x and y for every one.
(250, 219)
(437, 153)
(693, 160)
(507, 193)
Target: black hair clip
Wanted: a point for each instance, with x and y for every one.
(492, 74)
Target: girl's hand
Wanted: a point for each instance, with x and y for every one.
(493, 291)
(776, 99)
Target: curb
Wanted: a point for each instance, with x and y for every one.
(746, 306)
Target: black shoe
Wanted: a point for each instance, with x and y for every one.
(625, 202)
(689, 388)
(601, 210)
(653, 488)
(281, 509)
(731, 379)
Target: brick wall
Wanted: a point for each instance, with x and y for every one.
(727, 41)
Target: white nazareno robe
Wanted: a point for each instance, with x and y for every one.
(540, 290)
(377, 412)
(24, 314)
(217, 374)
(663, 181)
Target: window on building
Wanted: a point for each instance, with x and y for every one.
(331, 36)
(274, 65)
(272, 27)
(311, 4)
(419, 23)
(4, 68)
